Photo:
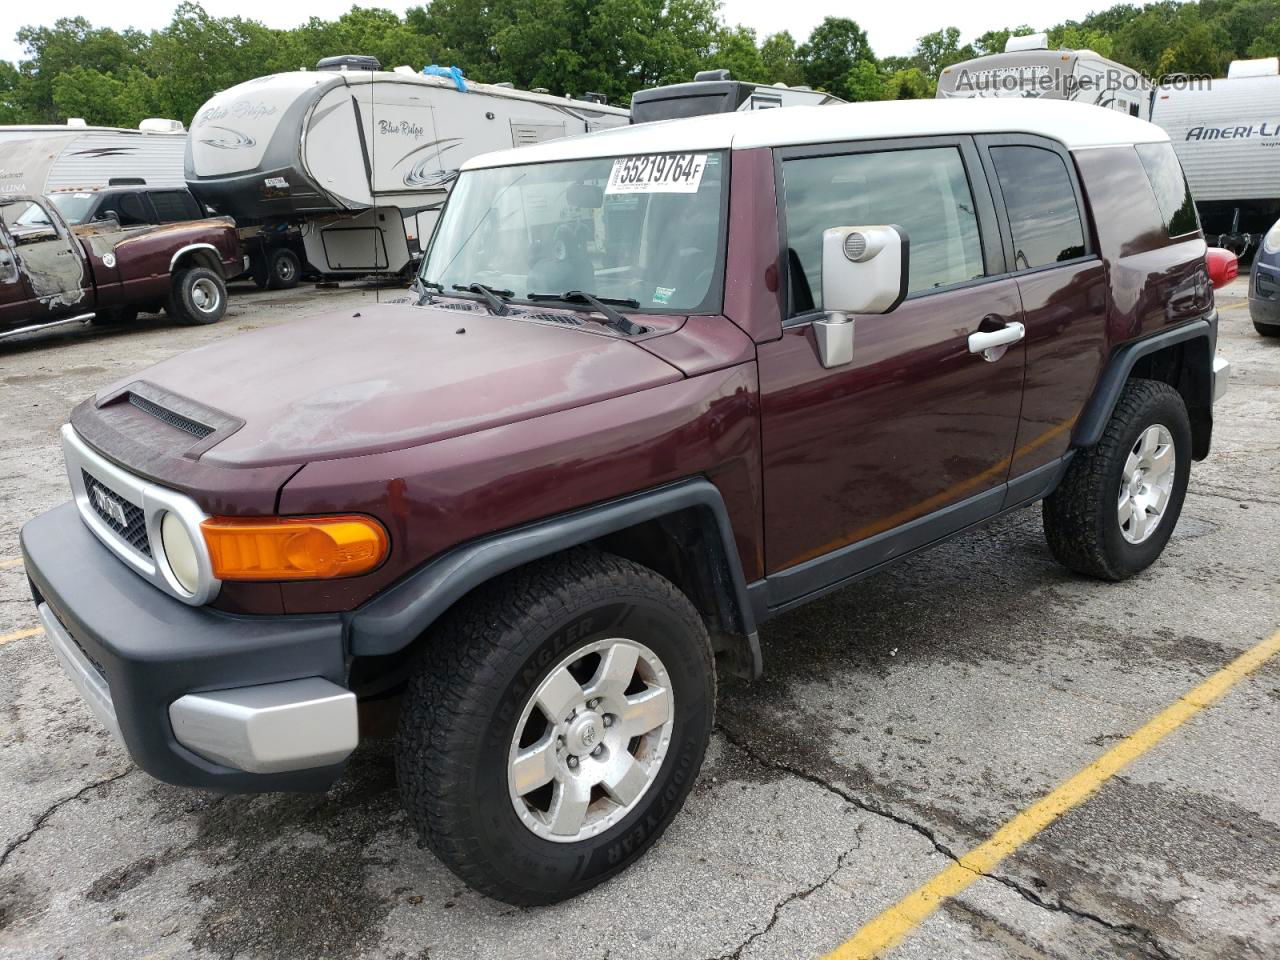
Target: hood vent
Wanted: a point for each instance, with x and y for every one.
(196, 429)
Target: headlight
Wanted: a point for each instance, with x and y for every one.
(1271, 242)
(180, 552)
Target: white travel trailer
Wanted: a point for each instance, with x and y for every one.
(1028, 68)
(347, 166)
(1227, 135)
(48, 158)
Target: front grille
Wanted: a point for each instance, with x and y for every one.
(134, 529)
(198, 430)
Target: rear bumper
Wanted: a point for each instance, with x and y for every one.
(198, 697)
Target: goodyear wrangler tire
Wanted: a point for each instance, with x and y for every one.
(555, 725)
(1117, 506)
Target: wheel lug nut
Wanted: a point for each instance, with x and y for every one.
(573, 763)
(608, 719)
(592, 704)
(598, 750)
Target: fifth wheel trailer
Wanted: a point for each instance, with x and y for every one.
(346, 167)
(1227, 134)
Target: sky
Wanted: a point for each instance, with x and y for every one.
(892, 28)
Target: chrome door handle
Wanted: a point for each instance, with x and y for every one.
(989, 343)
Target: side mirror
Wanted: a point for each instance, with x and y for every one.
(864, 270)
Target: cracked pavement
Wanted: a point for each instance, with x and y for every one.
(899, 723)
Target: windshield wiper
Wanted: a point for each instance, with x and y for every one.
(602, 305)
(423, 289)
(495, 298)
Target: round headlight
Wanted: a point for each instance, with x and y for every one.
(1271, 241)
(180, 552)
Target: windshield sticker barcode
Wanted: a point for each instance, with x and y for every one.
(657, 173)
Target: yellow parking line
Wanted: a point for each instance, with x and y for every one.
(20, 635)
(10, 563)
(892, 926)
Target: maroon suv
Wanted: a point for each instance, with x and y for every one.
(655, 386)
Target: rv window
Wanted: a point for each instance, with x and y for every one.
(1041, 202)
(925, 191)
(174, 205)
(1170, 187)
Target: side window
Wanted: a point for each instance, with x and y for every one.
(28, 222)
(174, 205)
(131, 210)
(1172, 193)
(924, 191)
(1041, 202)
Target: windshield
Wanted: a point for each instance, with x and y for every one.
(74, 207)
(645, 229)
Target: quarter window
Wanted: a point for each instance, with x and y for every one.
(923, 191)
(1170, 187)
(1041, 202)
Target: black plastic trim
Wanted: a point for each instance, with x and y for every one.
(1093, 419)
(153, 648)
(397, 616)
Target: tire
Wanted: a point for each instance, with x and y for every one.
(198, 296)
(475, 688)
(115, 317)
(1083, 517)
(1266, 329)
(283, 269)
(258, 269)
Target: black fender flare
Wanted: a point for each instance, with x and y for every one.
(400, 614)
(1106, 393)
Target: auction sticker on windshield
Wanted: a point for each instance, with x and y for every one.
(657, 173)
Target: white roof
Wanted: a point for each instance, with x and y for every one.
(1076, 125)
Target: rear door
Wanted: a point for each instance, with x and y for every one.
(14, 295)
(912, 439)
(1063, 287)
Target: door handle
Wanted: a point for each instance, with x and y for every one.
(990, 343)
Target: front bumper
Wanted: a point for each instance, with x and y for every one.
(197, 696)
(1264, 294)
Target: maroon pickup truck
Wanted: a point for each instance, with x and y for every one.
(54, 273)
(654, 387)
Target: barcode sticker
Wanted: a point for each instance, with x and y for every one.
(657, 173)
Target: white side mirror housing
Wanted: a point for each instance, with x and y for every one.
(864, 269)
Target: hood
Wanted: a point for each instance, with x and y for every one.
(393, 376)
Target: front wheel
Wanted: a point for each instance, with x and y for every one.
(198, 296)
(555, 725)
(1117, 506)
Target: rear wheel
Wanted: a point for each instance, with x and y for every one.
(1117, 506)
(283, 269)
(198, 296)
(555, 725)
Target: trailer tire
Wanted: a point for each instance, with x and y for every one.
(283, 269)
(198, 297)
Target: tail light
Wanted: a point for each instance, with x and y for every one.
(1224, 266)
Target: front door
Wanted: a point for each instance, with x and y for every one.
(49, 260)
(913, 438)
(13, 292)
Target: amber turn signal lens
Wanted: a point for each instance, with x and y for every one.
(293, 548)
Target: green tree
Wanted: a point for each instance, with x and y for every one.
(941, 49)
(865, 82)
(781, 60)
(736, 50)
(830, 53)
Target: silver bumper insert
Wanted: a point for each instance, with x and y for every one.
(272, 728)
(1221, 374)
(84, 675)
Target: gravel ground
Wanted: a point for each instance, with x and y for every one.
(900, 722)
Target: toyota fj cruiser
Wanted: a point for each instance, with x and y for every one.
(655, 386)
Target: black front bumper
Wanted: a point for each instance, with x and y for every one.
(152, 649)
(1264, 293)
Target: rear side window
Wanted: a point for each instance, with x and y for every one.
(1170, 187)
(174, 205)
(1041, 202)
(924, 191)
